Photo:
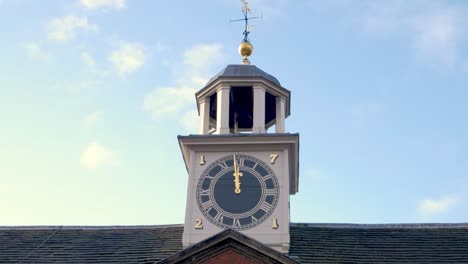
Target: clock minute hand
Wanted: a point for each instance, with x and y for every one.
(237, 174)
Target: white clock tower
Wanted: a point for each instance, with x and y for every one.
(241, 176)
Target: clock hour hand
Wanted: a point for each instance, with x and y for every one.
(237, 174)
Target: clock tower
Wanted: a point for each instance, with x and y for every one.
(240, 175)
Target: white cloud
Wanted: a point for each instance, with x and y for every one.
(88, 60)
(430, 207)
(168, 100)
(128, 58)
(93, 118)
(434, 28)
(64, 29)
(189, 121)
(34, 50)
(91, 64)
(95, 155)
(179, 100)
(200, 60)
(438, 34)
(94, 4)
(203, 56)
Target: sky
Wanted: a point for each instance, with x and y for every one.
(93, 94)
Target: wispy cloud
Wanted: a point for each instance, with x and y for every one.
(91, 64)
(93, 118)
(168, 100)
(128, 58)
(189, 121)
(439, 33)
(200, 60)
(96, 4)
(179, 100)
(87, 60)
(434, 28)
(95, 155)
(65, 28)
(430, 207)
(34, 50)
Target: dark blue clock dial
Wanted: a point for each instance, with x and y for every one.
(254, 201)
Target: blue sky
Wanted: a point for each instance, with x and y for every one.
(94, 92)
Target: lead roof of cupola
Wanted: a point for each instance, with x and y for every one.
(243, 71)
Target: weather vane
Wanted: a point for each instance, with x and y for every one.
(248, 28)
(246, 48)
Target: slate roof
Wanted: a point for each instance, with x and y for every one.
(310, 243)
(120, 244)
(408, 243)
(243, 71)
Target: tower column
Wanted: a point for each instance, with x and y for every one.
(280, 114)
(258, 109)
(222, 110)
(204, 115)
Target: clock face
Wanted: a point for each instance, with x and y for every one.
(238, 192)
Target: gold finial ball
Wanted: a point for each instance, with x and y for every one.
(245, 49)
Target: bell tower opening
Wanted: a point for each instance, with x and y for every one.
(241, 109)
(242, 99)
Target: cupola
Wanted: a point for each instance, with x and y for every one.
(242, 98)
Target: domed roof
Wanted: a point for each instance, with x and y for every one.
(243, 71)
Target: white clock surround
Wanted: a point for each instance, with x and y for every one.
(260, 146)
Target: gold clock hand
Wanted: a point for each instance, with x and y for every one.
(235, 162)
(237, 174)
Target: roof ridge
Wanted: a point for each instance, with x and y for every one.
(318, 225)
